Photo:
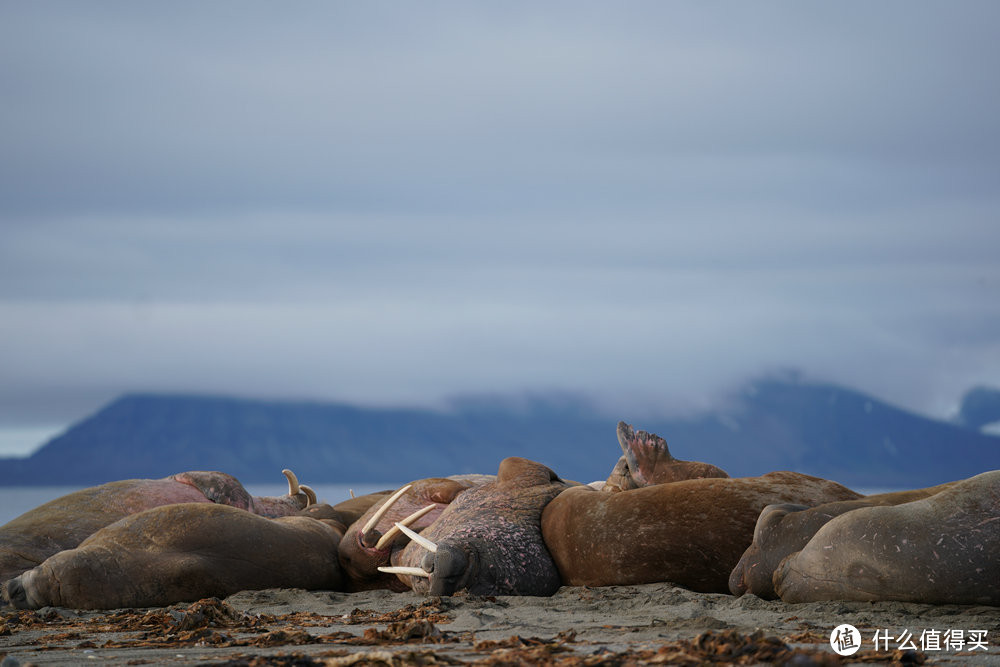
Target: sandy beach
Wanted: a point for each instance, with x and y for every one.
(649, 624)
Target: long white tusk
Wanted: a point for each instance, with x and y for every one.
(385, 508)
(351, 491)
(310, 494)
(392, 532)
(418, 538)
(412, 571)
(293, 482)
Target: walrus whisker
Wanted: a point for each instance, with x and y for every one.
(293, 482)
(392, 532)
(412, 571)
(382, 510)
(310, 494)
(418, 538)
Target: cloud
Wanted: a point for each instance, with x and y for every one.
(128, 108)
(646, 203)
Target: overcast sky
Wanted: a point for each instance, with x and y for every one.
(395, 203)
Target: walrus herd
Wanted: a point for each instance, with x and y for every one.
(523, 531)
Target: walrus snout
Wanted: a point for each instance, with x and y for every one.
(449, 568)
(755, 569)
(16, 594)
(737, 580)
(369, 538)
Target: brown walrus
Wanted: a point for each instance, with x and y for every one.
(347, 511)
(646, 461)
(183, 552)
(369, 541)
(488, 541)
(783, 529)
(63, 523)
(942, 549)
(689, 532)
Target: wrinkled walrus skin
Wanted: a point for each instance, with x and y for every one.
(943, 549)
(183, 552)
(63, 523)
(646, 461)
(489, 539)
(783, 529)
(359, 556)
(690, 532)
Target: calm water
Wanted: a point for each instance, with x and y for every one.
(16, 500)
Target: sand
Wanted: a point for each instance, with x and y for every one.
(618, 625)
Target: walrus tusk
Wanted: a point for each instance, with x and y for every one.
(382, 510)
(351, 491)
(293, 482)
(418, 538)
(392, 532)
(412, 571)
(294, 488)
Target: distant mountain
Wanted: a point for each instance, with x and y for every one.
(773, 424)
(980, 407)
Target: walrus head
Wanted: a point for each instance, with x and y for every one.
(17, 594)
(371, 541)
(754, 570)
(224, 489)
(646, 461)
(489, 540)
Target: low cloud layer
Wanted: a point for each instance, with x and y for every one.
(646, 204)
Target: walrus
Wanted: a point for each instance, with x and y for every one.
(346, 511)
(184, 552)
(783, 529)
(488, 541)
(941, 549)
(646, 461)
(371, 539)
(690, 532)
(63, 523)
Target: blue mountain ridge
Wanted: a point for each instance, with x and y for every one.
(980, 407)
(770, 424)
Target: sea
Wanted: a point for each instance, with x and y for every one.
(16, 500)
